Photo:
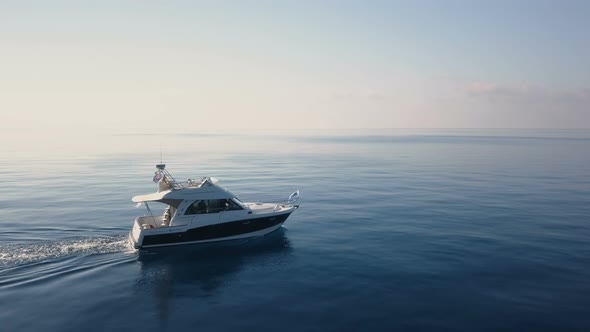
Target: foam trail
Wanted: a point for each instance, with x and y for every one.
(19, 254)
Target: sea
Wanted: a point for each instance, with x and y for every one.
(398, 230)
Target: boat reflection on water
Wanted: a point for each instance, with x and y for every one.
(173, 273)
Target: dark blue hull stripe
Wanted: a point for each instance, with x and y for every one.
(216, 231)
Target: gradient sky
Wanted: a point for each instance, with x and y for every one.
(294, 64)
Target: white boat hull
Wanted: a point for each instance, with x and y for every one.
(258, 225)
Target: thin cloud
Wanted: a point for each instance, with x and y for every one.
(578, 99)
(374, 95)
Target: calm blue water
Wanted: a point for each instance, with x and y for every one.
(399, 230)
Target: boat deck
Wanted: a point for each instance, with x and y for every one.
(149, 222)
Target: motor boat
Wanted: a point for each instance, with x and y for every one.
(199, 211)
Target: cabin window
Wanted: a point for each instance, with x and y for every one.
(215, 205)
(212, 206)
(198, 207)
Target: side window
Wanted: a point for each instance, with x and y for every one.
(212, 206)
(198, 207)
(216, 205)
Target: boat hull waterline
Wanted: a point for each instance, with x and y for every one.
(234, 230)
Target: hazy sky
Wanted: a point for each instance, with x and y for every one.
(294, 64)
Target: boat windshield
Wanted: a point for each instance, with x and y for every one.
(237, 201)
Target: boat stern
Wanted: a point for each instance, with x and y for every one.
(136, 235)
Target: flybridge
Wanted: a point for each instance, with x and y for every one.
(166, 181)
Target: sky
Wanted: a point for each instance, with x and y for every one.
(133, 65)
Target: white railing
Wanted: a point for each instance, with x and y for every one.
(190, 183)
